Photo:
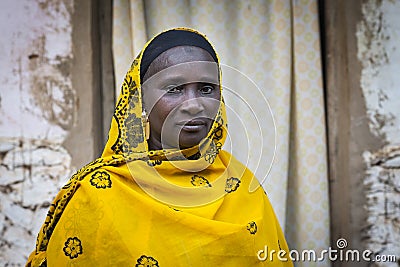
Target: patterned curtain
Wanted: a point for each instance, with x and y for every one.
(274, 46)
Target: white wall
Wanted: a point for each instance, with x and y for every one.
(37, 107)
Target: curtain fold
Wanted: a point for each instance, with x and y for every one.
(274, 45)
(308, 201)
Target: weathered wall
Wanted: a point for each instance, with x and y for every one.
(378, 36)
(363, 101)
(45, 80)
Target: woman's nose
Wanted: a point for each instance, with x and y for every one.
(192, 103)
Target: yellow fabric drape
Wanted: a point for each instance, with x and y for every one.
(276, 44)
(135, 207)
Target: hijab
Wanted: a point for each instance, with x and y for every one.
(170, 207)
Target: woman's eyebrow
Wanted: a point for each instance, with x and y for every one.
(212, 80)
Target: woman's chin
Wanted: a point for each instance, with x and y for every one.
(190, 140)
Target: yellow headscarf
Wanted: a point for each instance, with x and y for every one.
(135, 207)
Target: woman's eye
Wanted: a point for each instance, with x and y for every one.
(207, 89)
(173, 89)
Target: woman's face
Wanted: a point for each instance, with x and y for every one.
(181, 96)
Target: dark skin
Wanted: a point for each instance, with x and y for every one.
(181, 97)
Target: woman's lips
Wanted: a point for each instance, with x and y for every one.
(192, 125)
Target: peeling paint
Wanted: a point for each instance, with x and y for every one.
(382, 188)
(378, 39)
(378, 45)
(53, 95)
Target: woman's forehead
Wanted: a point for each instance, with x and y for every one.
(184, 73)
(181, 54)
(178, 55)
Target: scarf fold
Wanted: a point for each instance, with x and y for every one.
(135, 207)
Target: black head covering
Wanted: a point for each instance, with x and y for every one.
(170, 39)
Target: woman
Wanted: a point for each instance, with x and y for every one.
(163, 192)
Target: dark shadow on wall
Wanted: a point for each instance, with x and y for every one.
(103, 67)
(92, 78)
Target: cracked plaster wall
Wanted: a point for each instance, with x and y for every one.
(38, 113)
(378, 45)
